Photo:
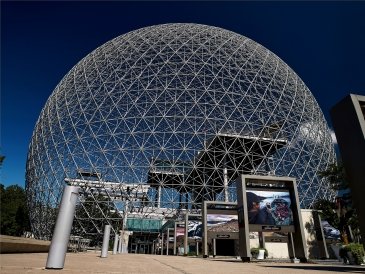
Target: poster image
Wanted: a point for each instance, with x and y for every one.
(222, 223)
(269, 207)
(195, 229)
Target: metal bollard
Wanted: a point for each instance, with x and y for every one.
(61, 235)
(104, 249)
(115, 246)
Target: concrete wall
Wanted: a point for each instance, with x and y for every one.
(277, 250)
(309, 233)
(9, 244)
(314, 236)
(254, 242)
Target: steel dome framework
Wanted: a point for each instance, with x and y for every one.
(157, 120)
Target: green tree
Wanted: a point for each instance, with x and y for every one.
(335, 175)
(328, 211)
(339, 213)
(13, 211)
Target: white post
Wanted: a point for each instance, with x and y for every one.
(159, 197)
(168, 241)
(122, 247)
(162, 243)
(120, 243)
(115, 246)
(105, 247)
(61, 234)
(186, 235)
(175, 228)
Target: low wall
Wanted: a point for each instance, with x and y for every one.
(10, 244)
(277, 250)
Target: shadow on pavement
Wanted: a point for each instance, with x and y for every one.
(352, 269)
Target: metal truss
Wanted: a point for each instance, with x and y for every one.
(181, 110)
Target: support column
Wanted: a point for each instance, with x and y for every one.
(243, 225)
(186, 235)
(321, 240)
(298, 238)
(168, 241)
(205, 230)
(158, 197)
(105, 247)
(197, 248)
(61, 234)
(120, 242)
(161, 243)
(291, 247)
(175, 227)
(214, 247)
(225, 181)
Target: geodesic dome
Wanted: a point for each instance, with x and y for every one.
(167, 116)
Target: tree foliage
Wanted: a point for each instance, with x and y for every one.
(328, 211)
(13, 211)
(335, 175)
(339, 213)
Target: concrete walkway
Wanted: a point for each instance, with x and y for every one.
(91, 262)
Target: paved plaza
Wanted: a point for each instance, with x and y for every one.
(91, 262)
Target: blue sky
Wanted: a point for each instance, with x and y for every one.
(323, 43)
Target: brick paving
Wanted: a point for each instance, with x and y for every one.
(90, 262)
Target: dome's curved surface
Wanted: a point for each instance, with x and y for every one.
(175, 107)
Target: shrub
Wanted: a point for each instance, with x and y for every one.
(357, 251)
(255, 252)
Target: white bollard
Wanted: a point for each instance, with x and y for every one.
(61, 234)
(115, 246)
(104, 249)
(120, 243)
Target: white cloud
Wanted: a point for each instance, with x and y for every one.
(333, 136)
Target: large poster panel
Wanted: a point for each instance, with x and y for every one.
(269, 207)
(222, 223)
(195, 229)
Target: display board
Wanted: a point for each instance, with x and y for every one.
(269, 210)
(194, 227)
(268, 203)
(222, 226)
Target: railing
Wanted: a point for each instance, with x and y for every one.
(78, 244)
